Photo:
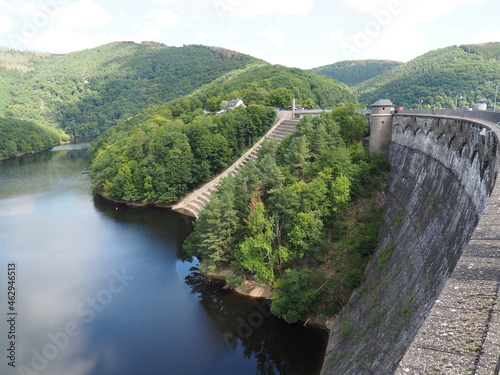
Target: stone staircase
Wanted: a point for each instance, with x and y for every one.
(286, 128)
(196, 201)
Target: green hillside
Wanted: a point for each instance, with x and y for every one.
(489, 51)
(21, 137)
(352, 72)
(87, 92)
(161, 154)
(268, 85)
(441, 78)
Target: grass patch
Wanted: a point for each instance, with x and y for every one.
(398, 220)
(385, 255)
(346, 330)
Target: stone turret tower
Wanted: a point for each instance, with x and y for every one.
(381, 126)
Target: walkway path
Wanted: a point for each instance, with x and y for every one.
(195, 202)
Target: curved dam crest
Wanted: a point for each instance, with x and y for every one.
(443, 171)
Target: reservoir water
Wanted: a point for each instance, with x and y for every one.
(102, 289)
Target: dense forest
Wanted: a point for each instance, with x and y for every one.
(352, 72)
(160, 154)
(458, 75)
(275, 85)
(86, 92)
(271, 86)
(294, 218)
(21, 137)
(153, 158)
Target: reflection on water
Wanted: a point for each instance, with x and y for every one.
(105, 289)
(249, 330)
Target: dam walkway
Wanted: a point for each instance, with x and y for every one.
(461, 335)
(195, 202)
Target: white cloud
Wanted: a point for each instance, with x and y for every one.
(336, 34)
(386, 21)
(484, 36)
(275, 34)
(163, 18)
(258, 7)
(373, 43)
(202, 36)
(30, 10)
(64, 41)
(370, 5)
(227, 35)
(83, 14)
(409, 12)
(430, 6)
(9, 6)
(5, 24)
(146, 31)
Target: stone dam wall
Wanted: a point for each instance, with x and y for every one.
(443, 171)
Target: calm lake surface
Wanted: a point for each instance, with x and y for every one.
(104, 289)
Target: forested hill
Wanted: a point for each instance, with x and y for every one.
(87, 92)
(268, 85)
(439, 78)
(352, 72)
(162, 153)
(21, 137)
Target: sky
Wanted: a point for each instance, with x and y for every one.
(294, 33)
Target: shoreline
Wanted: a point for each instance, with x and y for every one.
(250, 288)
(31, 152)
(135, 204)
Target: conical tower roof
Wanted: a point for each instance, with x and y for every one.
(383, 103)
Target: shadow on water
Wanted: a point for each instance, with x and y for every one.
(160, 222)
(247, 325)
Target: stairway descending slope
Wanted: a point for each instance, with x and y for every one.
(195, 202)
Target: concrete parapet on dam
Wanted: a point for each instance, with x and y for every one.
(443, 172)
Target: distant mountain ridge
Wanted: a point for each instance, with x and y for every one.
(443, 78)
(88, 91)
(456, 75)
(352, 72)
